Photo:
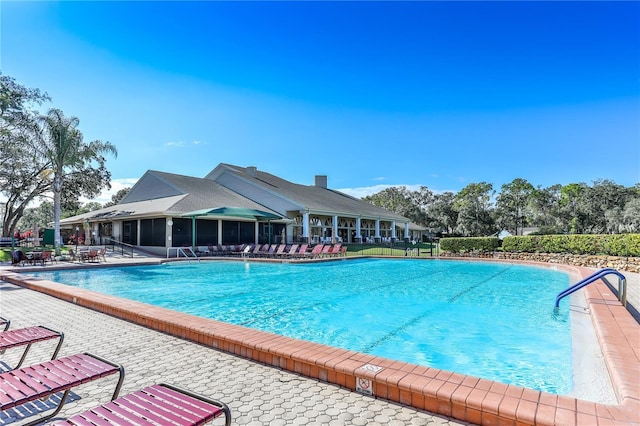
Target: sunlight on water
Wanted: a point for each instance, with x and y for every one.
(488, 320)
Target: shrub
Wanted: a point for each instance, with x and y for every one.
(626, 245)
(481, 244)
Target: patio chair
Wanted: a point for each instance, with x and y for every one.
(5, 323)
(335, 251)
(18, 387)
(326, 250)
(27, 337)
(315, 251)
(18, 258)
(280, 250)
(292, 251)
(302, 251)
(46, 256)
(160, 404)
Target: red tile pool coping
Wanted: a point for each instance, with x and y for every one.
(466, 398)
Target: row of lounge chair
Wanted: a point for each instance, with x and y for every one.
(290, 251)
(160, 404)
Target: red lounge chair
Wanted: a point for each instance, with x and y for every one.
(316, 251)
(160, 404)
(326, 250)
(17, 387)
(28, 336)
(302, 252)
(335, 251)
(292, 251)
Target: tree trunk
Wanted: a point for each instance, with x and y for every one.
(57, 207)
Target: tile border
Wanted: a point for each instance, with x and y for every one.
(466, 398)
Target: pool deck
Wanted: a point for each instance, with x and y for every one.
(312, 383)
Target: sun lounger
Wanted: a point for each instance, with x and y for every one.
(326, 250)
(27, 337)
(292, 251)
(302, 252)
(17, 387)
(280, 250)
(159, 404)
(5, 323)
(315, 251)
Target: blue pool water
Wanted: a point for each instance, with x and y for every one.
(488, 320)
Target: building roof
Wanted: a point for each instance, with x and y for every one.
(167, 194)
(162, 194)
(308, 197)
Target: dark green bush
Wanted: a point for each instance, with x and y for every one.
(626, 245)
(481, 244)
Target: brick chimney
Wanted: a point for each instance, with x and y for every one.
(252, 171)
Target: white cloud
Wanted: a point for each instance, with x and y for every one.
(363, 191)
(116, 185)
(174, 144)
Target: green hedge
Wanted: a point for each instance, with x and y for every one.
(625, 245)
(481, 244)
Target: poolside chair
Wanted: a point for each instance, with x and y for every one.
(27, 337)
(160, 404)
(292, 251)
(18, 258)
(302, 252)
(316, 251)
(17, 387)
(280, 250)
(5, 323)
(46, 257)
(247, 251)
(326, 250)
(335, 251)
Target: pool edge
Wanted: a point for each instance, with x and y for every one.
(463, 397)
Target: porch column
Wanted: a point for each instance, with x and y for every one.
(377, 235)
(305, 227)
(358, 234)
(334, 233)
(256, 230)
(393, 230)
(219, 231)
(406, 231)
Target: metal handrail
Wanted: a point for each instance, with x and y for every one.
(622, 285)
(122, 246)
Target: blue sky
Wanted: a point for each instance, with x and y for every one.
(371, 94)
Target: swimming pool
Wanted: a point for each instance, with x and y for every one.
(483, 319)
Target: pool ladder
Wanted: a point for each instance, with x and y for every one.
(622, 285)
(188, 253)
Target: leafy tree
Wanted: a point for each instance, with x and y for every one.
(473, 204)
(604, 196)
(117, 197)
(512, 203)
(41, 216)
(71, 161)
(631, 215)
(442, 213)
(396, 199)
(572, 209)
(21, 172)
(545, 208)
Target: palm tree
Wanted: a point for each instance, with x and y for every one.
(62, 145)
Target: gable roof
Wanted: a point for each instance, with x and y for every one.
(161, 193)
(309, 197)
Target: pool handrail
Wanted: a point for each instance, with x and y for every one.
(622, 285)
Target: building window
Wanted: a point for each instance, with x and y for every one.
(153, 232)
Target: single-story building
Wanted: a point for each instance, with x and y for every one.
(237, 205)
